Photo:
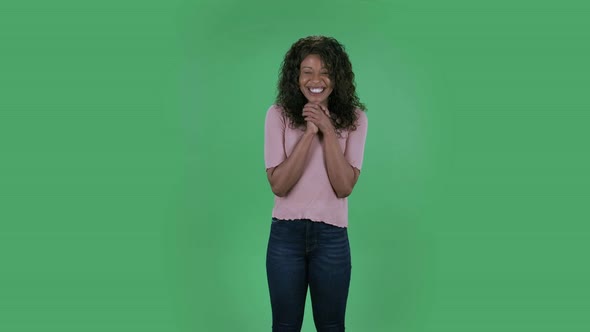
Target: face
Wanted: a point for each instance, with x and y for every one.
(314, 80)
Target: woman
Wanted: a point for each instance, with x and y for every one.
(314, 144)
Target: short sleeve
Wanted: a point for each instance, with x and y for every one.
(355, 144)
(274, 137)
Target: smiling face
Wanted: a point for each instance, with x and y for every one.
(314, 80)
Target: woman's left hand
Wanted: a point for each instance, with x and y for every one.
(319, 115)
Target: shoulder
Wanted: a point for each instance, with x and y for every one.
(360, 113)
(361, 116)
(274, 108)
(275, 111)
(275, 115)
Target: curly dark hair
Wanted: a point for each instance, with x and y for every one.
(343, 100)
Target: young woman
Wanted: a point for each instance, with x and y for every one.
(314, 145)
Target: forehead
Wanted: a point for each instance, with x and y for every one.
(313, 61)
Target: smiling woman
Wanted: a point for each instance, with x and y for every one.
(331, 64)
(314, 81)
(314, 146)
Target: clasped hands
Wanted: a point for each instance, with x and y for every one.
(318, 118)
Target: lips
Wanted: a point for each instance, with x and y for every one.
(316, 90)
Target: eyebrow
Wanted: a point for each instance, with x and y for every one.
(312, 68)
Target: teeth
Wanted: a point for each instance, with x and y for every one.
(316, 90)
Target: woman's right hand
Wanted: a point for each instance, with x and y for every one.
(311, 128)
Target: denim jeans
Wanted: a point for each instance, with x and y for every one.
(301, 253)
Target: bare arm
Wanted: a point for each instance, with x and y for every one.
(342, 175)
(284, 176)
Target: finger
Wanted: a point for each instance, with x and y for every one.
(311, 118)
(310, 113)
(308, 119)
(313, 106)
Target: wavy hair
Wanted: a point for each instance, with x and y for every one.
(343, 100)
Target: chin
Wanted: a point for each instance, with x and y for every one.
(316, 100)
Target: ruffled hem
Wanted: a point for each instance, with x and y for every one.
(312, 219)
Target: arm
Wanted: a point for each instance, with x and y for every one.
(282, 172)
(284, 176)
(343, 168)
(342, 175)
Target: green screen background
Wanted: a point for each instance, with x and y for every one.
(133, 195)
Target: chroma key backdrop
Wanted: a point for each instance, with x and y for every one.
(133, 196)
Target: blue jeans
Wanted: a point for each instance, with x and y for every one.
(301, 253)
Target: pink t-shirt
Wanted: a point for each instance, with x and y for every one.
(312, 197)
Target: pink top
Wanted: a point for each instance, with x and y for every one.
(312, 197)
